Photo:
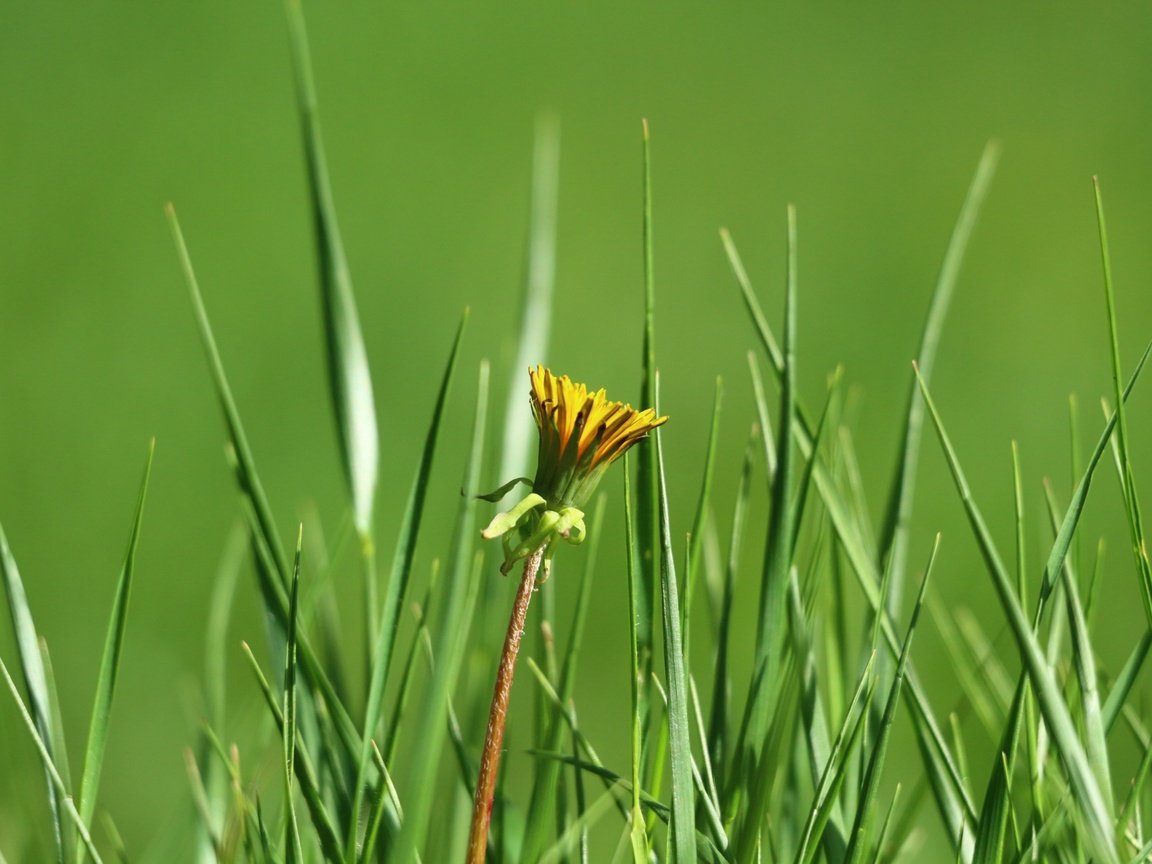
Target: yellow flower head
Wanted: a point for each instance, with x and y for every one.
(581, 434)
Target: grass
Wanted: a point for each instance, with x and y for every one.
(791, 764)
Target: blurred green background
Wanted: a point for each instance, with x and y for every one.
(871, 119)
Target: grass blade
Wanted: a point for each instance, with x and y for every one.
(894, 535)
(292, 850)
(270, 554)
(1089, 799)
(536, 300)
(1131, 500)
(349, 381)
(110, 663)
(771, 623)
(35, 683)
(639, 838)
(696, 539)
(398, 587)
(50, 766)
(871, 785)
(460, 597)
(683, 797)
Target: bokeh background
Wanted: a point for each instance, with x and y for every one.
(871, 119)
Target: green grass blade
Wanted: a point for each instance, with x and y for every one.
(349, 381)
(1089, 799)
(680, 742)
(293, 853)
(835, 770)
(536, 300)
(245, 466)
(703, 502)
(304, 768)
(398, 586)
(110, 663)
(35, 682)
(1126, 680)
(1131, 500)
(894, 535)
(815, 717)
(647, 528)
(542, 802)
(1084, 660)
(60, 745)
(451, 636)
(61, 790)
(718, 723)
(639, 838)
(771, 622)
(857, 844)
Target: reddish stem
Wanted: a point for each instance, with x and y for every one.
(498, 714)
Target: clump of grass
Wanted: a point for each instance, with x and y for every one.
(789, 765)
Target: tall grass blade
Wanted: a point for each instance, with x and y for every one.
(647, 528)
(1131, 500)
(1090, 801)
(62, 794)
(35, 684)
(680, 742)
(699, 520)
(110, 663)
(451, 637)
(894, 535)
(638, 835)
(771, 622)
(835, 770)
(272, 568)
(304, 766)
(857, 845)
(536, 299)
(398, 586)
(293, 853)
(349, 381)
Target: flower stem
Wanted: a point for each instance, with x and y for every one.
(498, 713)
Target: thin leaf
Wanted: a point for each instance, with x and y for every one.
(35, 683)
(871, 783)
(50, 766)
(349, 381)
(292, 849)
(894, 535)
(398, 587)
(460, 597)
(683, 799)
(1089, 799)
(110, 662)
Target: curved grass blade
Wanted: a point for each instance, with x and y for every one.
(35, 683)
(835, 770)
(683, 797)
(1089, 799)
(451, 638)
(638, 835)
(771, 622)
(871, 782)
(536, 300)
(696, 538)
(398, 587)
(110, 663)
(304, 768)
(894, 535)
(349, 381)
(293, 852)
(647, 528)
(61, 790)
(1131, 500)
